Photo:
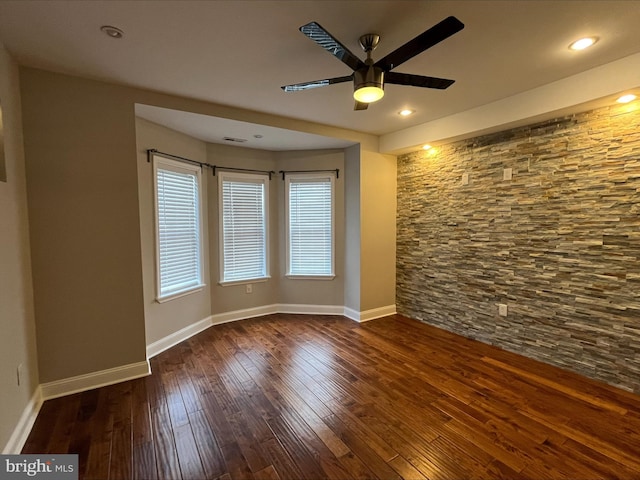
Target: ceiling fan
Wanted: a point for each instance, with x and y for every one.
(368, 77)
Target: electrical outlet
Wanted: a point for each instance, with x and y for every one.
(507, 174)
(248, 288)
(465, 179)
(19, 374)
(502, 309)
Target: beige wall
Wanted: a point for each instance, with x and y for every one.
(371, 229)
(377, 230)
(85, 221)
(230, 298)
(163, 319)
(352, 228)
(313, 292)
(80, 149)
(17, 329)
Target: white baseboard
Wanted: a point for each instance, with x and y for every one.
(311, 309)
(352, 314)
(189, 331)
(25, 423)
(227, 317)
(169, 341)
(367, 315)
(377, 313)
(92, 380)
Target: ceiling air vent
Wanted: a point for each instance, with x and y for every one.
(235, 140)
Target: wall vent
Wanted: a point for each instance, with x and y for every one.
(235, 140)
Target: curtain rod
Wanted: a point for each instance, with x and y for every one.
(153, 151)
(284, 172)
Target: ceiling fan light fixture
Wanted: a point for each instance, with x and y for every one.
(368, 84)
(369, 76)
(368, 94)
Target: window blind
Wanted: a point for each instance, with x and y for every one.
(178, 228)
(244, 228)
(310, 202)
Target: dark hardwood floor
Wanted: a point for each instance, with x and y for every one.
(311, 397)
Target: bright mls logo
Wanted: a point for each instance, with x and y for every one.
(50, 467)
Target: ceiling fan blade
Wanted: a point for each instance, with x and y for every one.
(425, 40)
(360, 106)
(417, 80)
(296, 87)
(323, 38)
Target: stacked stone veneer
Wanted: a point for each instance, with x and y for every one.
(559, 243)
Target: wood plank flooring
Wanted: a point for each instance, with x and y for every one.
(312, 397)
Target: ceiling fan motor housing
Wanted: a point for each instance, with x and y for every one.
(368, 76)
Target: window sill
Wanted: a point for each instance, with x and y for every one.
(244, 282)
(182, 293)
(310, 277)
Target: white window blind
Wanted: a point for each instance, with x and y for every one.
(244, 227)
(178, 227)
(310, 225)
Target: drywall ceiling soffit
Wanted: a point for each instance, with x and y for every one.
(239, 53)
(237, 133)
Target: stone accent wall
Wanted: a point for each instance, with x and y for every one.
(559, 243)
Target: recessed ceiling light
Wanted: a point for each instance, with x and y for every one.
(113, 32)
(406, 112)
(583, 43)
(427, 147)
(626, 98)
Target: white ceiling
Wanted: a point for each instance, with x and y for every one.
(239, 53)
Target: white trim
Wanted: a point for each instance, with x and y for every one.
(89, 381)
(25, 423)
(245, 281)
(174, 338)
(227, 317)
(182, 293)
(372, 314)
(377, 313)
(311, 309)
(169, 341)
(310, 277)
(352, 314)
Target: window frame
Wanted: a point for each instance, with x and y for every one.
(258, 178)
(163, 163)
(331, 176)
